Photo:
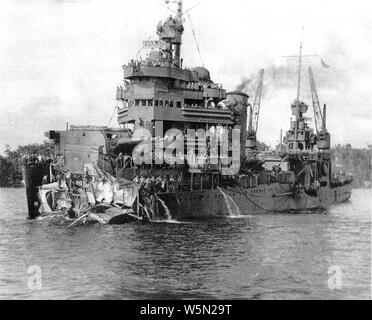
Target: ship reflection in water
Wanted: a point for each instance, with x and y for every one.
(262, 256)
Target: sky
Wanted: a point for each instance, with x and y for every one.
(61, 60)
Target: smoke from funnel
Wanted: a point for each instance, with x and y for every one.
(244, 85)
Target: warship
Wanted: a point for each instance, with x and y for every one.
(185, 149)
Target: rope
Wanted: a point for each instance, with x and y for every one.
(196, 41)
(254, 203)
(116, 107)
(250, 200)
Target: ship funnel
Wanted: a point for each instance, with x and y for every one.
(251, 141)
(238, 103)
(238, 97)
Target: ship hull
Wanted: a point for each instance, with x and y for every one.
(33, 179)
(274, 198)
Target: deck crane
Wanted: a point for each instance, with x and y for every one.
(323, 137)
(257, 101)
(318, 116)
(254, 114)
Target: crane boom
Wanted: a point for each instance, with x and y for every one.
(257, 101)
(318, 117)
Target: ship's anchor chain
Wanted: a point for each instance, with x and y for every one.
(243, 193)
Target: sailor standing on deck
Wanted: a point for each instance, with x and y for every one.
(120, 161)
(150, 184)
(158, 184)
(163, 184)
(179, 183)
(136, 179)
(172, 184)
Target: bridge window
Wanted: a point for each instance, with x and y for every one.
(143, 103)
(179, 104)
(166, 103)
(160, 103)
(137, 102)
(150, 103)
(171, 103)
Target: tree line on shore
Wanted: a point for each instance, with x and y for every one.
(11, 162)
(354, 161)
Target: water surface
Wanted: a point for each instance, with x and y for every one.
(273, 256)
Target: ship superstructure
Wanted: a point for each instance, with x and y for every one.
(159, 94)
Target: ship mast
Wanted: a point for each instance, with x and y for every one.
(177, 41)
(298, 115)
(174, 38)
(299, 68)
(298, 107)
(177, 47)
(300, 57)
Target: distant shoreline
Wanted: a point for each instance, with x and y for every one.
(12, 187)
